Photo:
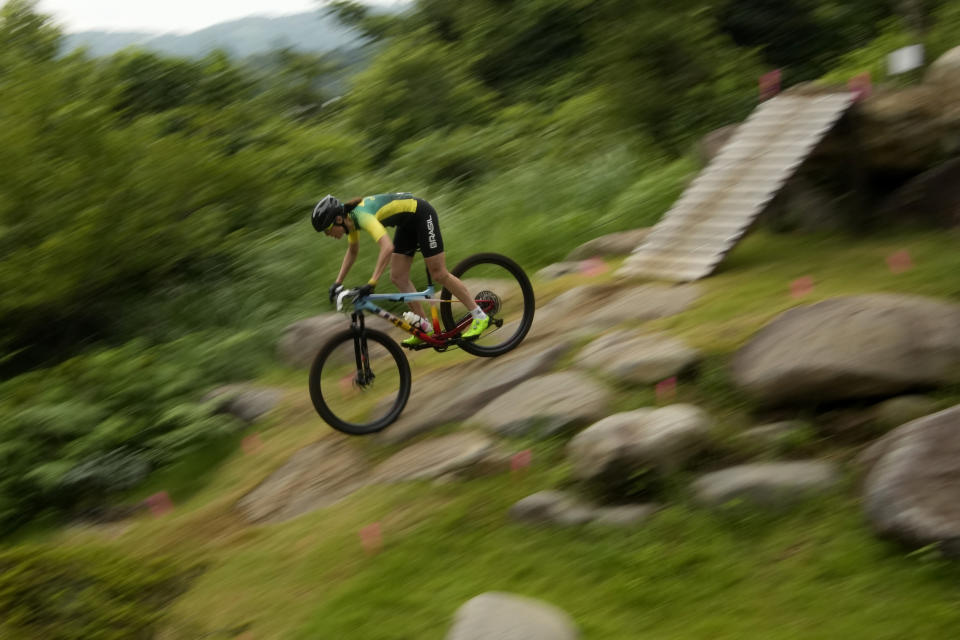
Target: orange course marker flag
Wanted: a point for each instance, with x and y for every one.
(801, 287)
(371, 537)
(666, 389)
(160, 504)
(899, 262)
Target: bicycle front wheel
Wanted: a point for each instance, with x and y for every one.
(360, 382)
(502, 289)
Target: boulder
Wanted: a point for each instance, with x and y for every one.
(852, 347)
(317, 476)
(776, 434)
(545, 406)
(613, 451)
(447, 455)
(944, 72)
(457, 393)
(591, 308)
(640, 358)
(244, 401)
(552, 507)
(564, 509)
(930, 199)
(903, 409)
(909, 130)
(301, 340)
(621, 243)
(766, 484)
(912, 489)
(505, 616)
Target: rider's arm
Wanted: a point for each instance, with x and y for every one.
(348, 259)
(386, 250)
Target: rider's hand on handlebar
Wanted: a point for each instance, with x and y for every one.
(335, 288)
(365, 290)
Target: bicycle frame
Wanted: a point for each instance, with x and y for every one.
(439, 340)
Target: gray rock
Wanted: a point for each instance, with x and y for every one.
(627, 515)
(645, 440)
(301, 340)
(775, 433)
(903, 409)
(945, 70)
(640, 358)
(859, 346)
(545, 406)
(446, 396)
(317, 476)
(563, 509)
(436, 457)
(912, 129)
(244, 401)
(592, 308)
(769, 484)
(505, 616)
(912, 491)
(552, 507)
(612, 244)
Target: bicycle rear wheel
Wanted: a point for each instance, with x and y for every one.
(360, 384)
(502, 289)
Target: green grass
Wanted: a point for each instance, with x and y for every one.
(813, 571)
(753, 283)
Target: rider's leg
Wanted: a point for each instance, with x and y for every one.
(400, 277)
(438, 271)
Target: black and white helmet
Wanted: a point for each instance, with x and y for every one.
(326, 212)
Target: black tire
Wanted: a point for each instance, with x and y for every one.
(340, 408)
(518, 304)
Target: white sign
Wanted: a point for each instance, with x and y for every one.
(905, 59)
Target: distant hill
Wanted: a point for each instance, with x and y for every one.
(311, 31)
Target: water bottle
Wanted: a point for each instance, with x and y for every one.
(414, 320)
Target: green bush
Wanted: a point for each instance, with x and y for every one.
(73, 436)
(59, 594)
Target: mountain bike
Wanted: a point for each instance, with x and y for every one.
(360, 379)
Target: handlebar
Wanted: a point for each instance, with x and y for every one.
(352, 294)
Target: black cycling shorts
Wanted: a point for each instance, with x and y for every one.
(419, 231)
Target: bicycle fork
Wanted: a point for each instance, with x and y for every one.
(365, 375)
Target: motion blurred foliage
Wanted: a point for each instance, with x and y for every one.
(87, 594)
(153, 235)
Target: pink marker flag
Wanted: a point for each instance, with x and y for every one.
(160, 504)
(521, 460)
(593, 267)
(666, 389)
(801, 287)
(770, 84)
(861, 86)
(371, 537)
(252, 443)
(899, 262)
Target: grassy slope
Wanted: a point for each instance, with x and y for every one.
(812, 572)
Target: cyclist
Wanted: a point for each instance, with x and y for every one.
(417, 227)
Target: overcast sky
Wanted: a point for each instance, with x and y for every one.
(166, 15)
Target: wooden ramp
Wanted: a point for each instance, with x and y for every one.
(724, 200)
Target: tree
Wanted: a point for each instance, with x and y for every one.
(26, 34)
(414, 86)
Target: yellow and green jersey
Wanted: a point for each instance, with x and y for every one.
(379, 211)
